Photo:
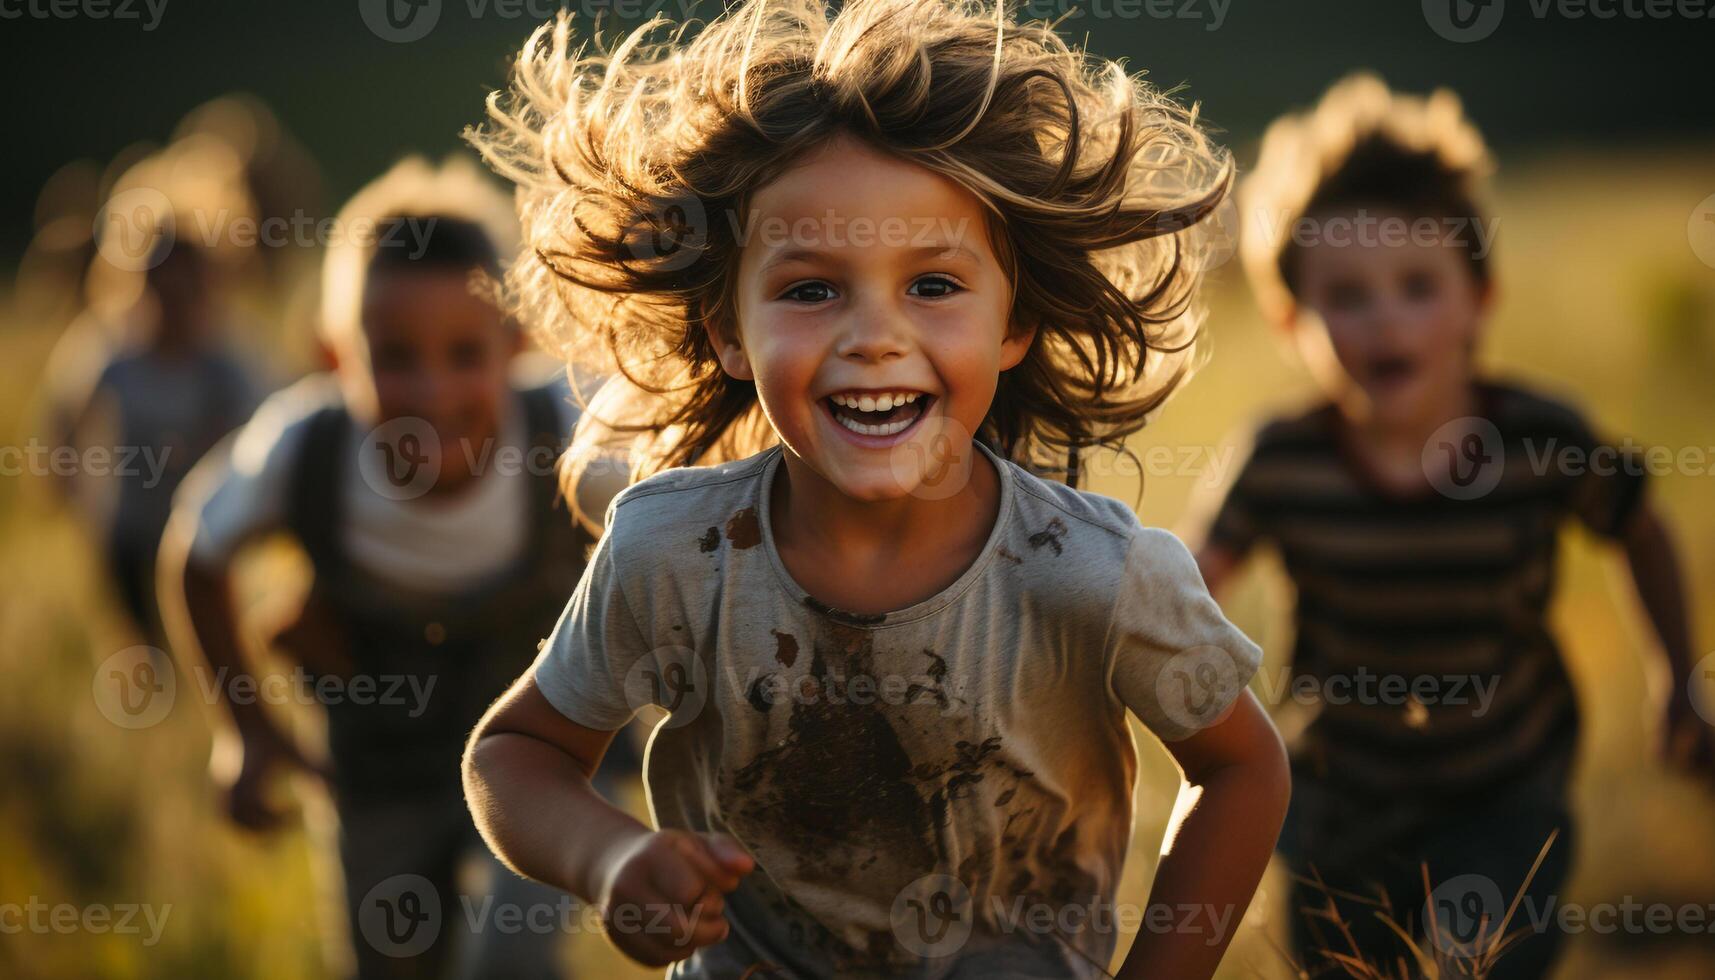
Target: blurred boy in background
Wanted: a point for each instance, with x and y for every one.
(420, 480)
(1421, 536)
(161, 383)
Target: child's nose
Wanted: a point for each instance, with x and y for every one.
(875, 333)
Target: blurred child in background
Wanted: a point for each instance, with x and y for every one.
(149, 373)
(419, 478)
(1419, 531)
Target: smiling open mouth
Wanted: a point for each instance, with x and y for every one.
(878, 413)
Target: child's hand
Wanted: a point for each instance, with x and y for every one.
(663, 898)
(261, 755)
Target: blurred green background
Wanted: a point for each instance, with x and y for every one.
(1606, 137)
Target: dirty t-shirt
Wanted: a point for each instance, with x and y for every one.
(942, 790)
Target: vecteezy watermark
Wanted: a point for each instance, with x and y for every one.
(763, 689)
(1365, 687)
(1464, 458)
(400, 916)
(146, 464)
(1469, 912)
(670, 677)
(147, 12)
(1701, 687)
(404, 21)
(1368, 230)
(1212, 13)
(402, 459)
(834, 230)
(404, 914)
(37, 917)
(136, 688)
(934, 916)
(136, 228)
(1700, 231)
(1196, 686)
(1467, 457)
(1464, 21)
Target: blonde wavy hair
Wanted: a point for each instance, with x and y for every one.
(631, 160)
(1362, 145)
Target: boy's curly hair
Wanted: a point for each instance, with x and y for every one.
(630, 164)
(1362, 145)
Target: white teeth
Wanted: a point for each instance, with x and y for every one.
(876, 403)
(864, 428)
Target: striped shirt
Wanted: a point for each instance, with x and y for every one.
(1422, 638)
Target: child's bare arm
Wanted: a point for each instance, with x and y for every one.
(1655, 570)
(527, 779)
(200, 617)
(1239, 770)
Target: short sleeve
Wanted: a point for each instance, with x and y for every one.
(1606, 490)
(238, 491)
(1174, 659)
(586, 665)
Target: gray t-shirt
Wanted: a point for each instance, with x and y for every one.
(923, 788)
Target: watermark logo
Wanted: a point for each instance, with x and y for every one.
(1702, 689)
(935, 462)
(672, 678)
(400, 21)
(1464, 458)
(1196, 686)
(1464, 21)
(670, 236)
(400, 916)
(135, 687)
(401, 459)
(1466, 912)
(134, 229)
(1210, 243)
(148, 12)
(40, 918)
(933, 916)
(1700, 231)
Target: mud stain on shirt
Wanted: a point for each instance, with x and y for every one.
(1051, 535)
(743, 529)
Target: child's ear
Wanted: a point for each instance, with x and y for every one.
(734, 360)
(1016, 344)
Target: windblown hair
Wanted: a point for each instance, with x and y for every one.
(1362, 146)
(415, 215)
(634, 164)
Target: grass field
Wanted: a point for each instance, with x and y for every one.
(1602, 299)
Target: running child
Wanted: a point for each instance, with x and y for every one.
(936, 252)
(419, 478)
(1419, 535)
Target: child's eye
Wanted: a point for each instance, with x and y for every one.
(938, 286)
(1347, 296)
(809, 292)
(469, 354)
(389, 357)
(1419, 286)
